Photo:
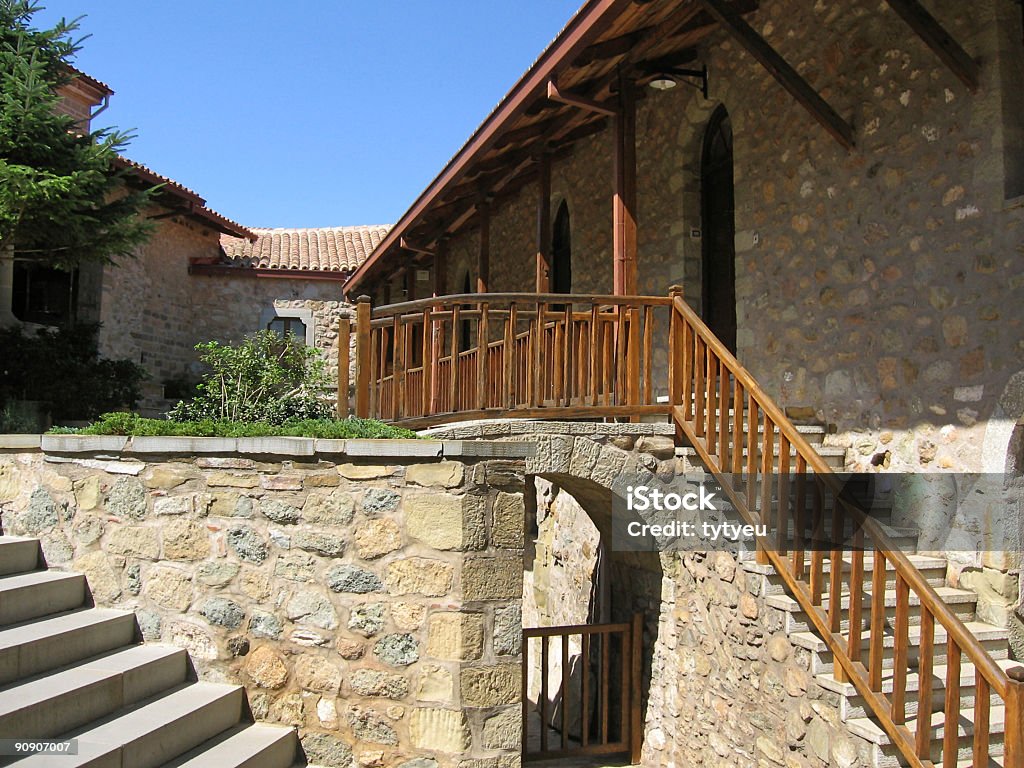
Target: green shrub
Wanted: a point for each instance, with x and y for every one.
(263, 378)
(130, 424)
(62, 367)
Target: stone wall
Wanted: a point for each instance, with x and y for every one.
(226, 308)
(154, 312)
(366, 596)
(872, 285)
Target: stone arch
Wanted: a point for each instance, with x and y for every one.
(591, 474)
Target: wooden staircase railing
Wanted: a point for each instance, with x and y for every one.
(746, 441)
(505, 354)
(557, 356)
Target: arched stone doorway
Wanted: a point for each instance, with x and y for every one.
(718, 272)
(573, 576)
(561, 251)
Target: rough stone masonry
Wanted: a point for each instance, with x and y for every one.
(363, 599)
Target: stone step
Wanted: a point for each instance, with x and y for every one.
(254, 745)
(932, 568)
(43, 644)
(960, 600)
(852, 704)
(993, 639)
(18, 555)
(27, 596)
(834, 456)
(155, 731)
(885, 755)
(47, 705)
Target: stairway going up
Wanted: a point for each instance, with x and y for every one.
(921, 681)
(72, 671)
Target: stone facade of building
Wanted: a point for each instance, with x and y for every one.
(370, 600)
(872, 286)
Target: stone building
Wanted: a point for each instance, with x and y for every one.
(199, 277)
(838, 189)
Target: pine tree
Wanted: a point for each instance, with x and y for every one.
(62, 202)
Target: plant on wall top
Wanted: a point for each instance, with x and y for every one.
(263, 378)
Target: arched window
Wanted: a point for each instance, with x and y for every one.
(561, 252)
(718, 295)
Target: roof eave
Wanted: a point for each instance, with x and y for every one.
(576, 35)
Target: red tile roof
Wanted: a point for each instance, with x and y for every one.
(320, 249)
(194, 205)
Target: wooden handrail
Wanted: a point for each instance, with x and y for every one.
(567, 356)
(483, 354)
(696, 356)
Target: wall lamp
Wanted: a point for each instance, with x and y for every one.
(668, 78)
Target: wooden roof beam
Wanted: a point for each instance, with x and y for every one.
(939, 40)
(783, 73)
(408, 246)
(575, 100)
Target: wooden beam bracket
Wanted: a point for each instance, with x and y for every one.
(939, 40)
(781, 70)
(405, 244)
(574, 100)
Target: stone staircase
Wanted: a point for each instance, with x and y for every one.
(875, 747)
(72, 671)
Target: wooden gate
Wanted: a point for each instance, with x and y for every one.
(588, 700)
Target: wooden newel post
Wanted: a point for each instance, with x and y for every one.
(1014, 739)
(344, 363)
(675, 349)
(363, 357)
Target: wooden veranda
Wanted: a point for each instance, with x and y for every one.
(596, 357)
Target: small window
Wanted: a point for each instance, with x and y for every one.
(288, 326)
(289, 321)
(44, 295)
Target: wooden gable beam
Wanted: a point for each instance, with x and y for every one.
(575, 100)
(783, 73)
(939, 40)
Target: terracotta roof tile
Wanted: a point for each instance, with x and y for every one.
(320, 249)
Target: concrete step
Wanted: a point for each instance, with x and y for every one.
(993, 639)
(50, 704)
(37, 646)
(932, 568)
(27, 596)
(153, 732)
(18, 555)
(884, 755)
(852, 704)
(254, 745)
(962, 602)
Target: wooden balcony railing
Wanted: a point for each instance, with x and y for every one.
(774, 477)
(512, 354)
(560, 356)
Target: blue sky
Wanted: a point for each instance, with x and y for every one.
(313, 113)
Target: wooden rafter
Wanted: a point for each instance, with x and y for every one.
(408, 246)
(575, 100)
(939, 40)
(781, 70)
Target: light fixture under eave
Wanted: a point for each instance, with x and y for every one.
(662, 83)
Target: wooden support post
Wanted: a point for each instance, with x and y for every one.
(1014, 730)
(483, 264)
(624, 201)
(363, 357)
(635, 697)
(344, 361)
(939, 40)
(544, 224)
(780, 69)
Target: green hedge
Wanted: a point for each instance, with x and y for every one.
(130, 424)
